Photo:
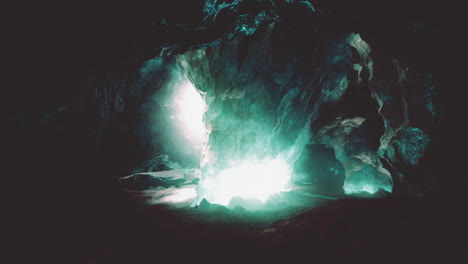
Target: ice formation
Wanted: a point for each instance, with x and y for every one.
(249, 107)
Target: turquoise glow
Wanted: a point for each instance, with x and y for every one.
(250, 179)
(189, 107)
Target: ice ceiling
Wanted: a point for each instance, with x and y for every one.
(254, 115)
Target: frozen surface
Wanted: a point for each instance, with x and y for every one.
(230, 106)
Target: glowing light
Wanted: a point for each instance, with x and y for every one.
(248, 179)
(190, 107)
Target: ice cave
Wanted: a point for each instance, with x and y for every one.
(248, 118)
(244, 131)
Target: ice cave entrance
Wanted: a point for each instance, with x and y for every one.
(249, 178)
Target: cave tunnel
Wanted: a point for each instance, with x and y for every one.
(243, 131)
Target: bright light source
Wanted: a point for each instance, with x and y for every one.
(190, 107)
(248, 179)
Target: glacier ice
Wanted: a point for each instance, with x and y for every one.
(247, 108)
(252, 117)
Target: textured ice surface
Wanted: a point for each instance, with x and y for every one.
(367, 179)
(411, 143)
(254, 117)
(262, 102)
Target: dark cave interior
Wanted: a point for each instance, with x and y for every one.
(84, 107)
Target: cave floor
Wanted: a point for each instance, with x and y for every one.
(350, 230)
